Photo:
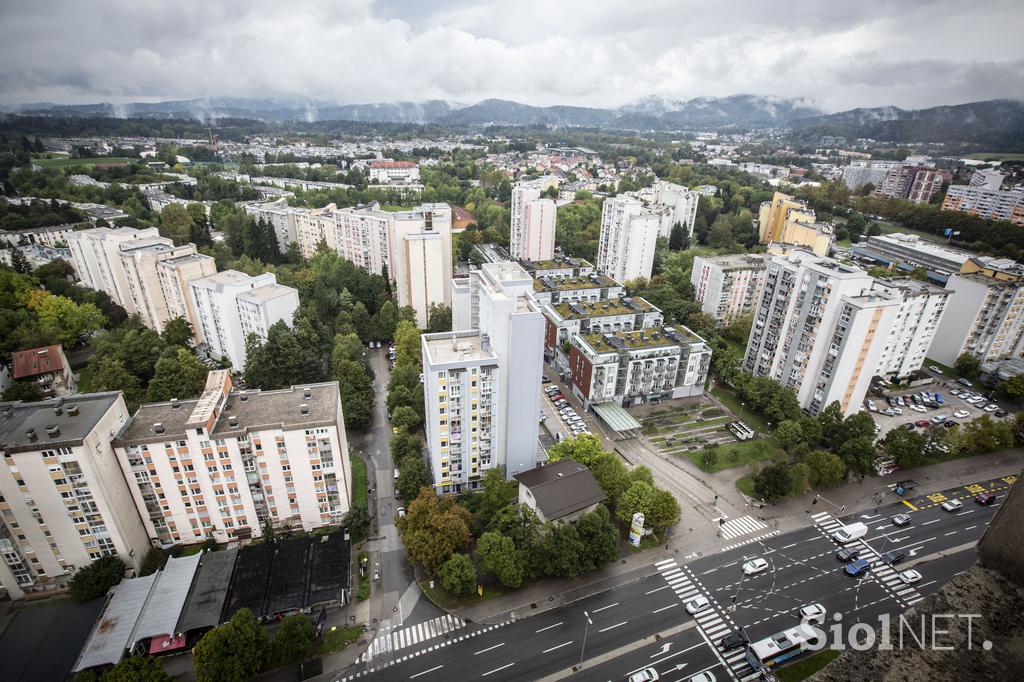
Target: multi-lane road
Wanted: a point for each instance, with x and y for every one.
(644, 622)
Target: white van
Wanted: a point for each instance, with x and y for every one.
(854, 531)
(396, 474)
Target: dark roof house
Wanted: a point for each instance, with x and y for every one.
(561, 491)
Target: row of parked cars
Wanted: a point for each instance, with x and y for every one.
(979, 401)
(573, 421)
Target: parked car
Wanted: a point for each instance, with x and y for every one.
(938, 419)
(910, 576)
(949, 424)
(961, 414)
(1001, 412)
(857, 567)
(985, 499)
(901, 520)
(917, 408)
(909, 426)
(923, 423)
(935, 369)
(871, 405)
(955, 391)
(964, 382)
(991, 407)
(952, 505)
(755, 566)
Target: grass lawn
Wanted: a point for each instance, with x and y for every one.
(336, 639)
(746, 485)
(888, 227)
(738, 454)
(358, 480)
(449, 601)
(65, 163)
(996, 156)
(749, 417)
(393, 209)
(806, 667)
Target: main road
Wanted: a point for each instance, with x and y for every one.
(643, 621)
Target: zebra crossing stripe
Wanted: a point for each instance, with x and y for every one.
(665, 562)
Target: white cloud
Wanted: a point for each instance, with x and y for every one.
(596, 53)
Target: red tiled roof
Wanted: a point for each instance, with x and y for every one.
(35, 361)
(462, 214)
(392, 164)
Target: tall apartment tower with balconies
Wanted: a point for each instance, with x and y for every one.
(625, 249)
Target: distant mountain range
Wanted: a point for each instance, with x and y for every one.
(992, 122)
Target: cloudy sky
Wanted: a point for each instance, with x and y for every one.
(910, 53)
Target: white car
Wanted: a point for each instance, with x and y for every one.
(961, 414)
(935, 369)
(645, 675)
(755, 566)
(910, 577)
(952, 505)
(697, 605)
(870, 404)
(918, 408)
(991, 407)
(703, 676)
(896, 410)
(812, 613)
(939, 418)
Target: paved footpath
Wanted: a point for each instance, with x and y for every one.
(703, 539)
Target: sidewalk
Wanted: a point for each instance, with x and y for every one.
(789, 515)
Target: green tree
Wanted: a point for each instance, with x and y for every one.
(405, 418)
(458, 574)
(562, 551)
(156, 559)
(176, 223)
(825, 469)
(357, 520)
(177, 332)
(721, 234)
(1013, 388)
(65, 321)
(233, 652)
(26, 391)
(497, 493)
(859, 454)
(519, 522)
(404, 445)
(677, 238)
(497, 555)
(434, 528)
(439, 318)
(357, 394)
(108, 374)
(789, 434)
(600, 538)
(179, 374)
(773, 483)
(294, 639)
(709, 458)
(287, 357)
(905, 447)
(664, 511)
(412, 475)
(136, 669)
(96, 578)
(985, 435)
(407, 343)
(968, 365)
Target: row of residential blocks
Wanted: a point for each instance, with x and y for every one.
(81, 479)
(826, 328)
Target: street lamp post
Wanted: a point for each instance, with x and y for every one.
(586, 627)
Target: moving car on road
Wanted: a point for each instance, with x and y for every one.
(893, 556)
(985, 499)
(901, 520)
(645, 675)
(703, 676)
(697, 605)
(755, 566)
(734, 640)
(910, 577)
(952, 505)
(857, 567)
(812, 613)
(848, 554)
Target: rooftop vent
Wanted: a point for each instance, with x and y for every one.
(243, 396)
(233, 421)
(73, 410)
(304, 408)
(158, 427)
(58, 410)
(53, 431)
(307, 393)
(31, 433)
(175, 404)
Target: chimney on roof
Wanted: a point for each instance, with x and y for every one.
(72, 410)
(31, 433)
(53, 431)
(158, 427)
(175, 404)
(307, 393)
(243, 396)
(233, 421)
(304, 408)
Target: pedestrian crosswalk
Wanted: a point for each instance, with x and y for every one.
(713, 623)
(884, 573)
(393, 639)
(741, 526)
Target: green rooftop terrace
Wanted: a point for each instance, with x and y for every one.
(613, 306)
(573, 283)
(656, 337)
(557, 264)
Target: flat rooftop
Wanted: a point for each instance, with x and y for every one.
(445, 347)
(912, 241)
(594, 281)
(18, 420)
(615, 341)
(252, 410)
(557, 264)
(740, 261)
(267, 293)
(612, 306)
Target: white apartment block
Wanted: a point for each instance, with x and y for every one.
(625, 248)
(577, 289)
(394, 172)
(985, 314)
(173, 276)
(993, 204)
(728, 287)
(921, 307)
(634, 367)
(97, 259)
(230, 305)
(229, 463)
(674, 205)
(141, 260)
(421, 248)
(565, 320)
(532, 223)
(820, 329)
(63, 499)
(482, 384)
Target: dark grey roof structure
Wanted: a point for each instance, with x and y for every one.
(562, 488)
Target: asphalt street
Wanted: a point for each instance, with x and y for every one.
(645, 623)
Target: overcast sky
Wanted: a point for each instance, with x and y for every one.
(911, 53)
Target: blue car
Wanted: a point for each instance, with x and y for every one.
(857, 567)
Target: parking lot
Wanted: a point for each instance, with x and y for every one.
(951, 404)
(559, 416)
